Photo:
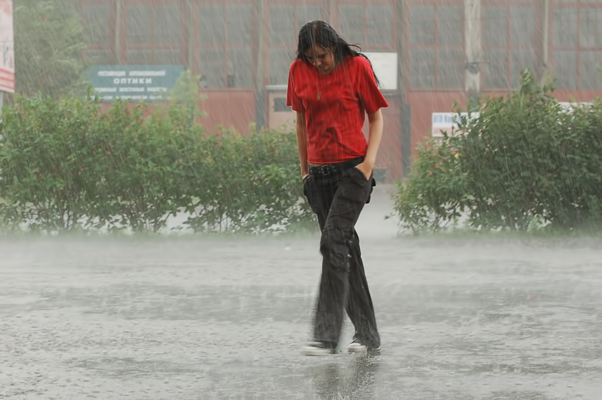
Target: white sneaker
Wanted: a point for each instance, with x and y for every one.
(318, 349)
(357, 347)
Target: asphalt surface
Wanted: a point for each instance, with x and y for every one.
(225, 318)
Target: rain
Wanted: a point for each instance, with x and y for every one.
(156, 238)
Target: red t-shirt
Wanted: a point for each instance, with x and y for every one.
(335, 106)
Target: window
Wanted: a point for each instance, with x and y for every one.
(368, 25)
(436, 45)
(97, 22)
(284, 25)
(280, 62)
(224, 45)
(280, 105)
(510, 42)
(153, 34)
(351, 22)
(576, 31)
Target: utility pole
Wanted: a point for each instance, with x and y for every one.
(117, 44)
(189, 36)
(405, 109)
(472, 39)
(259, 65)
(545, 54)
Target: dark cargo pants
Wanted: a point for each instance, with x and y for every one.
(337, 196)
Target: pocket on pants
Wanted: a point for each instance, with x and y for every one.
(359, 174)
(309, 192)
(304, 183)
(368, 184)
(372, 184)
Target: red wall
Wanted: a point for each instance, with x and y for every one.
(232, 109)
(229, 108)
(389, 155)
(576, 95)
(423, 104)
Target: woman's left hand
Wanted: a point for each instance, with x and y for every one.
(366, 169)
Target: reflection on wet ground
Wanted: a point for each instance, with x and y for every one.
(223, 318)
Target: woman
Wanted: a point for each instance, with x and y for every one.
(332, 87)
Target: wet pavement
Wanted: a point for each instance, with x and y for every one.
(218, 318)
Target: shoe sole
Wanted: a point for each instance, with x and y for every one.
(317, 352)
(357, 348)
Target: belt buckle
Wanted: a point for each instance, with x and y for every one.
(323, 170)
(329, 169)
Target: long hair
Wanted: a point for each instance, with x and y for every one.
(322, 34)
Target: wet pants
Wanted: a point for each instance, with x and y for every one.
(337, 195)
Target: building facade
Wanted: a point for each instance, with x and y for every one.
(443, 53)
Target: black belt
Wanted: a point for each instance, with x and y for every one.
(330, 169)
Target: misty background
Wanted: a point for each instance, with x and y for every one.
(193, 132)
(431, 53)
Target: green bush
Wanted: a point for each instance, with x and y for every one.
(247, 183)
(65, 165)
(523, 163)
(435, 193)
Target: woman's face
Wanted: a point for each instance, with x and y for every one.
(321, 58)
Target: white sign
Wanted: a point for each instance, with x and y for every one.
(568, 106)
(385, 68)
(7, 53)
(133, 82)
(446, 121)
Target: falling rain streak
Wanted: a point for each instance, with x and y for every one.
(498, 309)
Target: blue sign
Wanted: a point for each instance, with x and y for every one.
(133, 82)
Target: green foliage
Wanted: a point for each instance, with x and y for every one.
(250, 183)
(524, 163)
(49, 39)
(185, 98)
(67, 166)
(436, 192)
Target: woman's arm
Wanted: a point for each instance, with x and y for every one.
(302, 143)
(375, 135)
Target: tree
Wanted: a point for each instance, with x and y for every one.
(186, 97)
(49, 40)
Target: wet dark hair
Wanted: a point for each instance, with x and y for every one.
(322, 34)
